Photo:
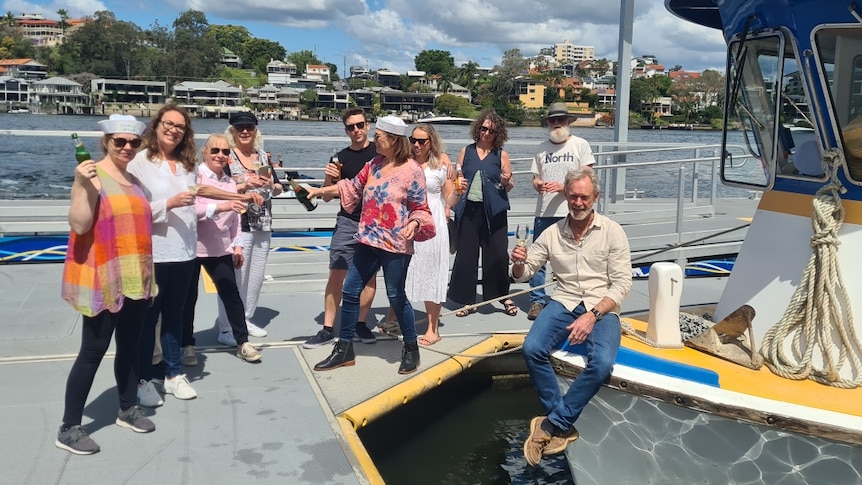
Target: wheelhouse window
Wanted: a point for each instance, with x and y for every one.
(839, 51)
(767, 102)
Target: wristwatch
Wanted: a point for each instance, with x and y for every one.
(596, 314)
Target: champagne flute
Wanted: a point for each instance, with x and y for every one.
(521, 241)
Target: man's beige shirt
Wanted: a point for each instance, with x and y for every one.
(600, 265)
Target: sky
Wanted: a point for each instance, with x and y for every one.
(389, 33)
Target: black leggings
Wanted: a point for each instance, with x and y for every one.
(96, 333)
(220, 269)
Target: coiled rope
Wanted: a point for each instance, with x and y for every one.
(820, 306)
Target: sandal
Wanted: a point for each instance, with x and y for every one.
(510, 308)
(464, 312)
(426, 340)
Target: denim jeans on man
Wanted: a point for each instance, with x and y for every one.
(366, 261)
(546, 334)
(538, 279)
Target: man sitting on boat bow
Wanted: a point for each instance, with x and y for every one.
(591, 258)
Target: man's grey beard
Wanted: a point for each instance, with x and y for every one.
(558, 134)
(579, 215)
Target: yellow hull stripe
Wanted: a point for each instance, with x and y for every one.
(802, 205)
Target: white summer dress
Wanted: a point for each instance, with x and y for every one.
(428, 274)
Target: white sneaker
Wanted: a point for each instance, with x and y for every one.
(248, 353)
(148, 395)
(254, 330)
(179, 386)
(226, 338)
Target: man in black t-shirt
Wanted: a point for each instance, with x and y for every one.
(341, 248)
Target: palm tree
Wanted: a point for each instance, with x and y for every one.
(9, 19)
(64, 17)
(467, 74)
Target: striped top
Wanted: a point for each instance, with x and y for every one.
(114, 259)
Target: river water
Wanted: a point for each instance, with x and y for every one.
(43, 166)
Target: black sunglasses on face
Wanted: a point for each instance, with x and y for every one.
(485, 129)
(360, 125)
(121, 142)
(241, 128)
(420, 141)
(224, 151)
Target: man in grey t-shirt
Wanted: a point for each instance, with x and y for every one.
(556, 156)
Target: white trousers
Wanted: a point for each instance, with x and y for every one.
(249, 278)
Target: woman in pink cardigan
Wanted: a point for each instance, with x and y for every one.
(219, 247)
(391, 190)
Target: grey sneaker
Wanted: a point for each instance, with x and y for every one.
(148, 395)
(136, 420)
(76, 440)
(364, 334)
(189, 358)
(323, 337)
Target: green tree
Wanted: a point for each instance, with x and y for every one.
(302, 59)
(466, 75)
(64, 20)
(106, 46)
(333, 71)
(454, 106)
(259, 52)
(9, 19)
(193, 54)
(434, 61)
(14, 45)
(309, 98)
(231, 37)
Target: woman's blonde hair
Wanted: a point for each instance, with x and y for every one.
(229, 135)
(437, 147)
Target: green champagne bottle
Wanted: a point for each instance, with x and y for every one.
(301, 195)
(81, 153)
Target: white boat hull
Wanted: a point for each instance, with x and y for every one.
(625, 438)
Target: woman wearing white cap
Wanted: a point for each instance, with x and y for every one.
(391, 190)
(108, 277)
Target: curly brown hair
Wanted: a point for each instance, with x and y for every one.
(501, 134)
(185, 152)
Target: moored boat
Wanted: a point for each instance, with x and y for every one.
(771, 393)
(444, 120)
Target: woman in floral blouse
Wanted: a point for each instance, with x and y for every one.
(391, 191)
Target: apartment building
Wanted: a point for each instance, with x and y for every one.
(64, 95)
(568, 52)
(280, 73)
(28, 69)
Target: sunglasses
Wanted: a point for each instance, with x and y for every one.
(121, 142)
(420, 141)
(240, 128)
(360, 125)
(224, 151)
(170, 125)
(485, 129)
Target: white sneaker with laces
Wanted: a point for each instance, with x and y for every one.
(254, 330)
(248, 353)
(148, 395)
(179, 386)
(226, 338)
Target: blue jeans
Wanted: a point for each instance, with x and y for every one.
(548, 331)
(366, 261)
(538, 279)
